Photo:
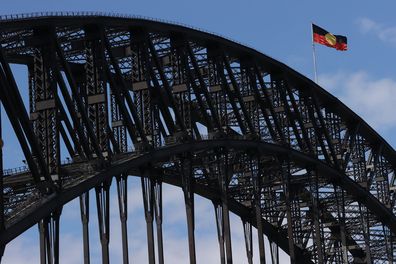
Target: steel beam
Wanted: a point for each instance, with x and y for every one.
(161, 96)
(103, 209)
(66, 140)
(224, 174)
(236, 92)
(274, 252)
(18, 116)
(49, 238)
(125, 92)
(84, 211)
(325, 171)
(204, 88)
(261, 104)
(285, 174)
(122, 193)
(220, 231)
(165, 83)
(2, 216)
(8, 76)
(257, 178)
(77, 96)
(269, 103)
(160, 154)
(74, 116)
(281, 87)
(318, 129)
(178, 79)
(11, 110)
(298, 116)
(44, 107)
(197, 89)
(365, 218)
(324, 128)
(316, 208)
(94, 85)
(247, 231)
(158, 218)
(148, 202)
(229, 93)
(76, 141)
(120, 102)
(188, 191)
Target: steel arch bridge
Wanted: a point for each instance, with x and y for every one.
(128, 96)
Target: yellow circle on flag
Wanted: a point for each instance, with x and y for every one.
(331, 39)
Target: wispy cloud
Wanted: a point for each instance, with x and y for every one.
(385, 33)
(373, 99)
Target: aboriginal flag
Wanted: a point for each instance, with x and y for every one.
(323, 37)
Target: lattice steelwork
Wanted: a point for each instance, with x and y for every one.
(125, 96)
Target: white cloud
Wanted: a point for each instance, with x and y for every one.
(384, 33)
(373, 99)
(23, 249)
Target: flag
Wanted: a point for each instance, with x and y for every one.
(324, 37)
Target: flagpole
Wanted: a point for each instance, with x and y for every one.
(314, 56)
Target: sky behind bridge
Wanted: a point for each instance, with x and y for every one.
(363, 77)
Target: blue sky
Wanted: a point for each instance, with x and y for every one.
(363, 78)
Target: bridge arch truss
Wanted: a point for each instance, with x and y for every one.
(170, 104)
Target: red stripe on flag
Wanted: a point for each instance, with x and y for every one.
(341, 46)
(322, 40)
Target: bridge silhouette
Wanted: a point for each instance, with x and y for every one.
(127, 96)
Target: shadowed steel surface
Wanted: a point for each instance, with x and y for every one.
(124, 96)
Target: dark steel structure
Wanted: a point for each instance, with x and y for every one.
(170, 104)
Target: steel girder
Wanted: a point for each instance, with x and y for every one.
(161, 154)
(229, 123)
